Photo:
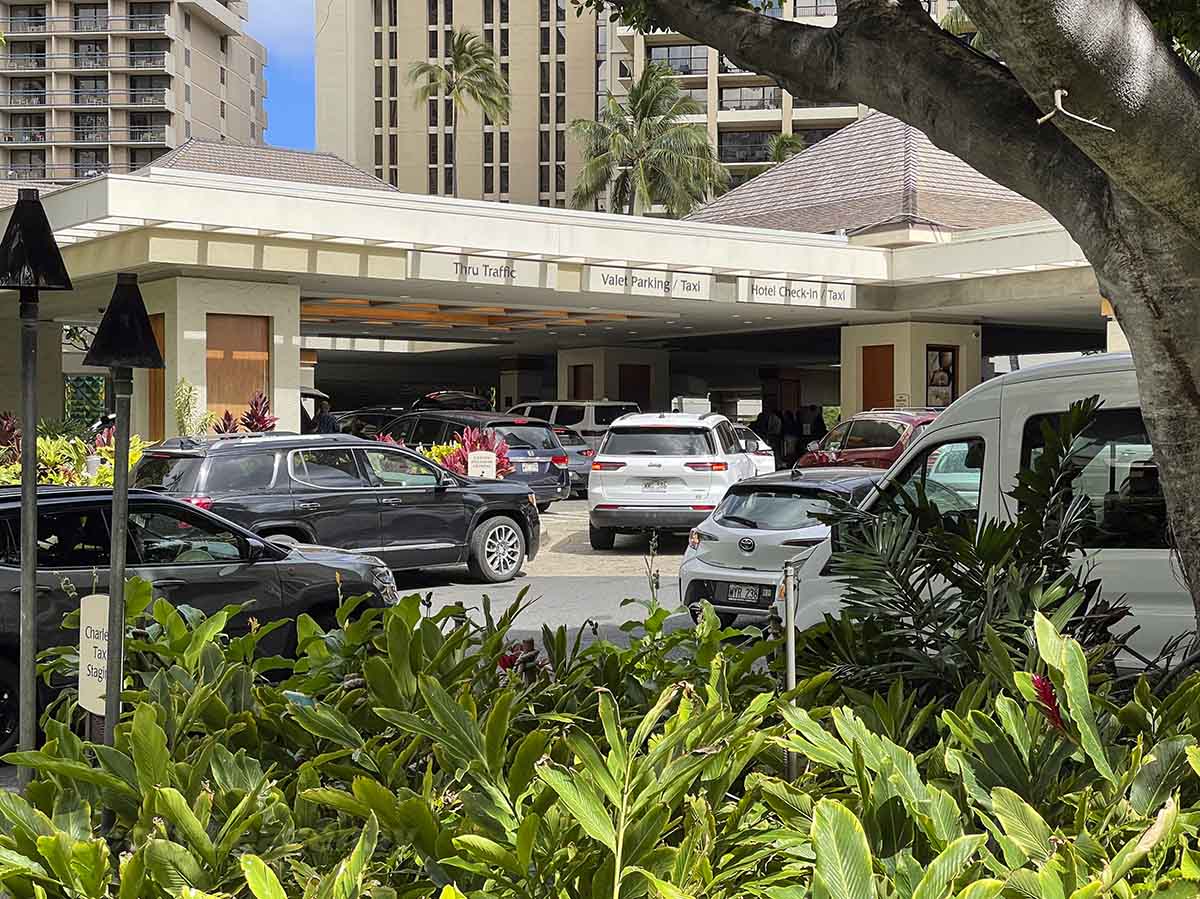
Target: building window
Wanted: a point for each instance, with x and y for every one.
(433, 149)
(187, 129)
(394, 177)
(449, 179)
(187, 57)
(253, 66)
(187, 93)
(393, 115)
(560, 146)
(393, 82)
(544, 11)
(392, 154)
(503, 179)
(504, 42)
(433, 12)
(687, 59)
(433, 44)
(253, 100)
(378, 45)
(543, 146)
(503, 10)
(544, 111)
(503, 147)
(222, 75)
(560, 177)
(544, 46)
(393, 14)
(448, 11)
(378, 150)
(224, 45)
(433, 181)
(489, 149)
(187, 21)
(489, 12)
(433, 114)
(544, 178)
(253, 131)
(489, 179)
(393, 51)
(378, 113)
(449, 146)
(544, 77)
(222, 109)
(560, 71)
(560, 108)
(560, 43)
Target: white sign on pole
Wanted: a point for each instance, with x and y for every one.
(93, 652)
(482, 464)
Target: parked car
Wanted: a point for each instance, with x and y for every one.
(366, 422)
(353, 494)
(579, 455)
(591, 418)
(759, 449)
(455, 400)
(735, 556)
(191, 556)
(996, 430)
(872, 439)
(538, 459)
(665, 471)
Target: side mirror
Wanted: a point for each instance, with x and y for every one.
(255, 549)
(813, 446)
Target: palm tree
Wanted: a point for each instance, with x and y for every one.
(470, 74)
(645, 153)
(784, 146)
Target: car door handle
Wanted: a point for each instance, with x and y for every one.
(393, 501)
(40, 588)
(169, 583)
(308, 507)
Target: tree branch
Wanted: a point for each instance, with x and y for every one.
(1119, 71)
(891, 56)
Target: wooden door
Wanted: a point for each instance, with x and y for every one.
(583, 383)
(878, 377)
(634, 385)
(156, 385)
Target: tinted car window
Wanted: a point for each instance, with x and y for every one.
(167, 537)
(867, 433)
(835, 439)
(327, 468)
(428, 432)
(390, 469)
(606, 415)
(74, 538)
(771, 510)
(538, 437)
(570, 415)
(400, 430)
(658, 442)
(231, 473)
(729, 442)
(176, 474)
(542, 412)
(569, 438)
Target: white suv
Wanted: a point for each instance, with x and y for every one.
(665, 471)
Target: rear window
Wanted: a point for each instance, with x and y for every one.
(175, 474)
(538, 437)
(227, 474)
(866, 433)
(569, 438)
(658, 442)
(606, 415)
(569, 415)
(771, 510)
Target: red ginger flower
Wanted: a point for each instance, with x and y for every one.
(1048, 702)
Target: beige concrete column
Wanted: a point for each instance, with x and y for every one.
(606, 365)
(910, 343)
(185, 304)
(50, 368)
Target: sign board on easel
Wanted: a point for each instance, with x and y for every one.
(482, 464)
(93, 652)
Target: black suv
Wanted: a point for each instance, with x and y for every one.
(192, 558)
(537, 456)
(361, 495)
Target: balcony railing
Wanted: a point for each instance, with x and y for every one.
(30, 62)
(23, 62)
(15, 25)
(71, 171)
(23, 135)
(136, 97)
(145, 134)
(745, 153)
(749, 103)
(90, 61)
(152, 59)
(141, 134)
(694, 66)
(810, 8)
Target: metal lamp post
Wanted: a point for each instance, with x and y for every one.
(30, 262)
(124, 341)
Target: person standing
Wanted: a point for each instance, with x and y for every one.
(325, 422)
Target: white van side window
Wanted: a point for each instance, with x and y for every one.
(1118, 475)
(951, 475)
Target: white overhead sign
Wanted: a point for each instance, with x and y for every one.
(648, 282)
(93, 652)
(482, 270)
(796, 293)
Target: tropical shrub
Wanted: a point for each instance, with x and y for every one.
(258, 418)
(226, 424)
(190, 419)
(63, 461)
(473, 440)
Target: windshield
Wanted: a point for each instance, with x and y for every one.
(771, 510)
(658, 442)
(606, 415)
(537, 437)
(175, 474)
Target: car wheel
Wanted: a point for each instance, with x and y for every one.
(497, 550)
(543, 508)
(10, 707)
(725, 619)
(601, 538)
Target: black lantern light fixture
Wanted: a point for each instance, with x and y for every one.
(30, 262)
(124, 341)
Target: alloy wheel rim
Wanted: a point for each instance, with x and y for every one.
(503, 549)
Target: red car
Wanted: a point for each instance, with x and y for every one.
(872, 439)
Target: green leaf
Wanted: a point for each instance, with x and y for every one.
(133, 876)
(1161, 771)
(583, 803)
(843, 856)
(71, 771)
(1066, 657)
(943, 870)
(524, 763)
(323, 721)
(347, 882)
(338, 800)
(1139, 847)
(1022, 824)
(150, 755)
(172, 867)
(661, 888)
(175, 809)
(261, 879)
(496, 731)
(489, 852)
(526, 836)
(460, 734)
(982, 889)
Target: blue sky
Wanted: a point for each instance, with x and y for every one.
(286, 27)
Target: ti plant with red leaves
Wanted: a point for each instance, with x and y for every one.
(226, 424)
(257, 419)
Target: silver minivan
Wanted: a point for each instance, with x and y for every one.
(589, 418)
(976, 448)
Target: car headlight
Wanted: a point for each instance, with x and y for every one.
(384, 582)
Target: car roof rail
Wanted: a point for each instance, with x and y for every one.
(906, 409)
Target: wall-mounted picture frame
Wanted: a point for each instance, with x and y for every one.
(941, 375)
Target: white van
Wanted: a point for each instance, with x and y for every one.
(993, 431)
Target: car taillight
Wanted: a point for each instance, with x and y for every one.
(703, 508)
(607, 466)
(200, 502)
(588, 453)
(708, 466)
(559, 461)
(697, 536)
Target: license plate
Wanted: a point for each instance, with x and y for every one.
(654, 486)
(743, 593)
(529, 467)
